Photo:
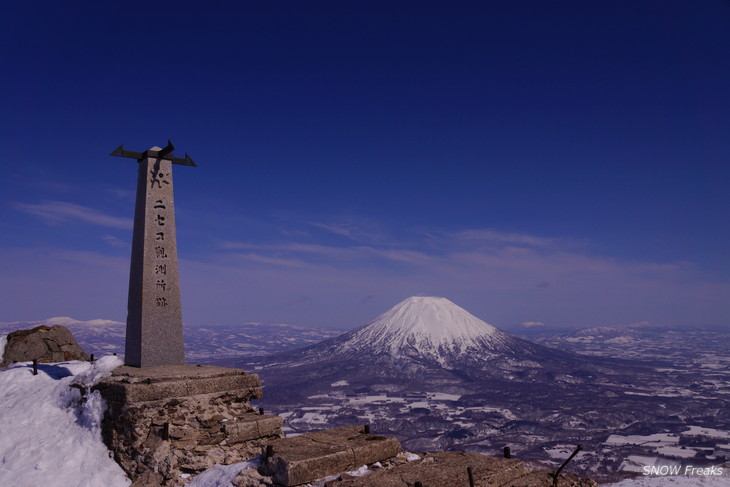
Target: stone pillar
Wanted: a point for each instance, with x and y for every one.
(154, 316)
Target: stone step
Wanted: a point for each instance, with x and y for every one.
(449, 468)
(130, 385)
(252, 426)
(301, 459)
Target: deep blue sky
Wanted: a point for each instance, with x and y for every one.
(561, 162)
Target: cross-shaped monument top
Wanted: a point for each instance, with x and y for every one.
(155, 152)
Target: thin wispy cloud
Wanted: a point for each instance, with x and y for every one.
(497, 237)
(60, 212)
(115, 242)
(273, 260)
(334, 254)
(514, 278)
(532, 324)
(502, 237)
(360, 233)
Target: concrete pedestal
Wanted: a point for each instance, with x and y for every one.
(168, 420)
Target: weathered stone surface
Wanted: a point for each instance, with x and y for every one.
(449, 468)
(154, 315)
(301, 459)
(42, 343)
(251, 478)
(147, 479)
(131, 384)
(176, 419)
(252, 426)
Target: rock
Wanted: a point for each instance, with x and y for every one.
(42, 343)
(147, 479)
(251, 478)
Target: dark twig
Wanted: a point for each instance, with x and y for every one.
(572, 455)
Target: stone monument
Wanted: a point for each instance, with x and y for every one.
(167, 419)
(154, 316)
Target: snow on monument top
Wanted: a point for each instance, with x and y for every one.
(428, 325)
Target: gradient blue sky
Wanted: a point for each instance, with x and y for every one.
(563, 162)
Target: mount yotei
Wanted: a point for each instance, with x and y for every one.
(437, 377)
(423, 341)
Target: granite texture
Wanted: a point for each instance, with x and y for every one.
(154, 316)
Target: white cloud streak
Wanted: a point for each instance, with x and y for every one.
(58, 212)
(507, 277)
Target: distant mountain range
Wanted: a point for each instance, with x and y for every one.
(203, 344)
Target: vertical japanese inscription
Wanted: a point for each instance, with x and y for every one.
(159, 207)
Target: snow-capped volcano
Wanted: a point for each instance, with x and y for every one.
(427, 326)
(419, 339)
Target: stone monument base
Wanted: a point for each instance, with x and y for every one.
(168, 421)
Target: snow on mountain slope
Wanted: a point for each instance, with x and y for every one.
(428, 326)
(61, 320)
(420, 338)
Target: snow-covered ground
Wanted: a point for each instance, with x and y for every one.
(47, 436)
(50, 437)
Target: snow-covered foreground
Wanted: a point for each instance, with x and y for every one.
(50, 437)
(47, 436)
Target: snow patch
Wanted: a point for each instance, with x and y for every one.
(222, 475)
(3, 342)
(50, 436)
(358, 472)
